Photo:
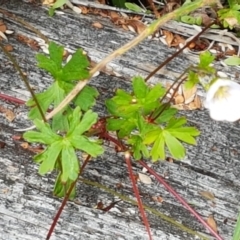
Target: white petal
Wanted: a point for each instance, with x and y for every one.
(3, 36)
(9, 31)
(224, 107)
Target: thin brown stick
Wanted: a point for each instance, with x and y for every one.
(179, 51)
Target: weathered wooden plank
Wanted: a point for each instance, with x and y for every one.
(26, 204)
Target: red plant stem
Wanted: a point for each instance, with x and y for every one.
(113, 140)
(181, 200)
(11, 99)
(136, 192)
(179, 51)
(14, 100)
(65, 199)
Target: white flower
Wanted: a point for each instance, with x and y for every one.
(223, 100)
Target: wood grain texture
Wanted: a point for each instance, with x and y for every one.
(27, 206)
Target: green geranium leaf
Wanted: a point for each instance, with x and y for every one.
(151, 136)
(47, 64)
(59, 3)
(70, 164)
(90, 147)
(134, 7)
(158, 149)
(230, 16)
(56, 54)
(53, 95)
(46, 136)
(123, 126)
(88, 119)
(176, 122)
(206, 58)
(76, 68)
(86, 98)
(155, 93)
(74, 120)
(61, 189)
(233, 61)
(166, 113)
(45, 99)
(138, 147)
(185, 134)
(192, 80)
(140, 88)
(188, 19)
(115, 124)
(60, 152)
(168, 138)
(52, 154)
(174, 146)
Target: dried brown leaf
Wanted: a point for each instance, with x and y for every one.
(97, 25)
(28, 41)
(84, 9)
(168, 37)
(8, 48)
(207, 195)
(171, 5)
(177, 40)
(3, 27)
(212, 223)
(189, 94)
(144, 178)
(114, 15)
(137, 25)
(9, 114)
(197, 101)
(24, 145)
(178, 99)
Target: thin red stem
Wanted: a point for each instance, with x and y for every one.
(136, 192)
(181, 200)
(11, 99)
(65, 199)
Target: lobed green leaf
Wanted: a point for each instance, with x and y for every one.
(140, 88)
(70, 164)
(86, 98)
(83, 143)
(76, 68)
(52, 153)
(175, 147)
(56, 54)
(45, 136)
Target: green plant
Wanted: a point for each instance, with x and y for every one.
(142, 120)
(233, 61)
(139, 117)
(146, 126)
(202, 73)
(135, 8)
(57, 4)
(230, 16)
(153, 130)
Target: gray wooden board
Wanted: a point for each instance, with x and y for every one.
(27, 206)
